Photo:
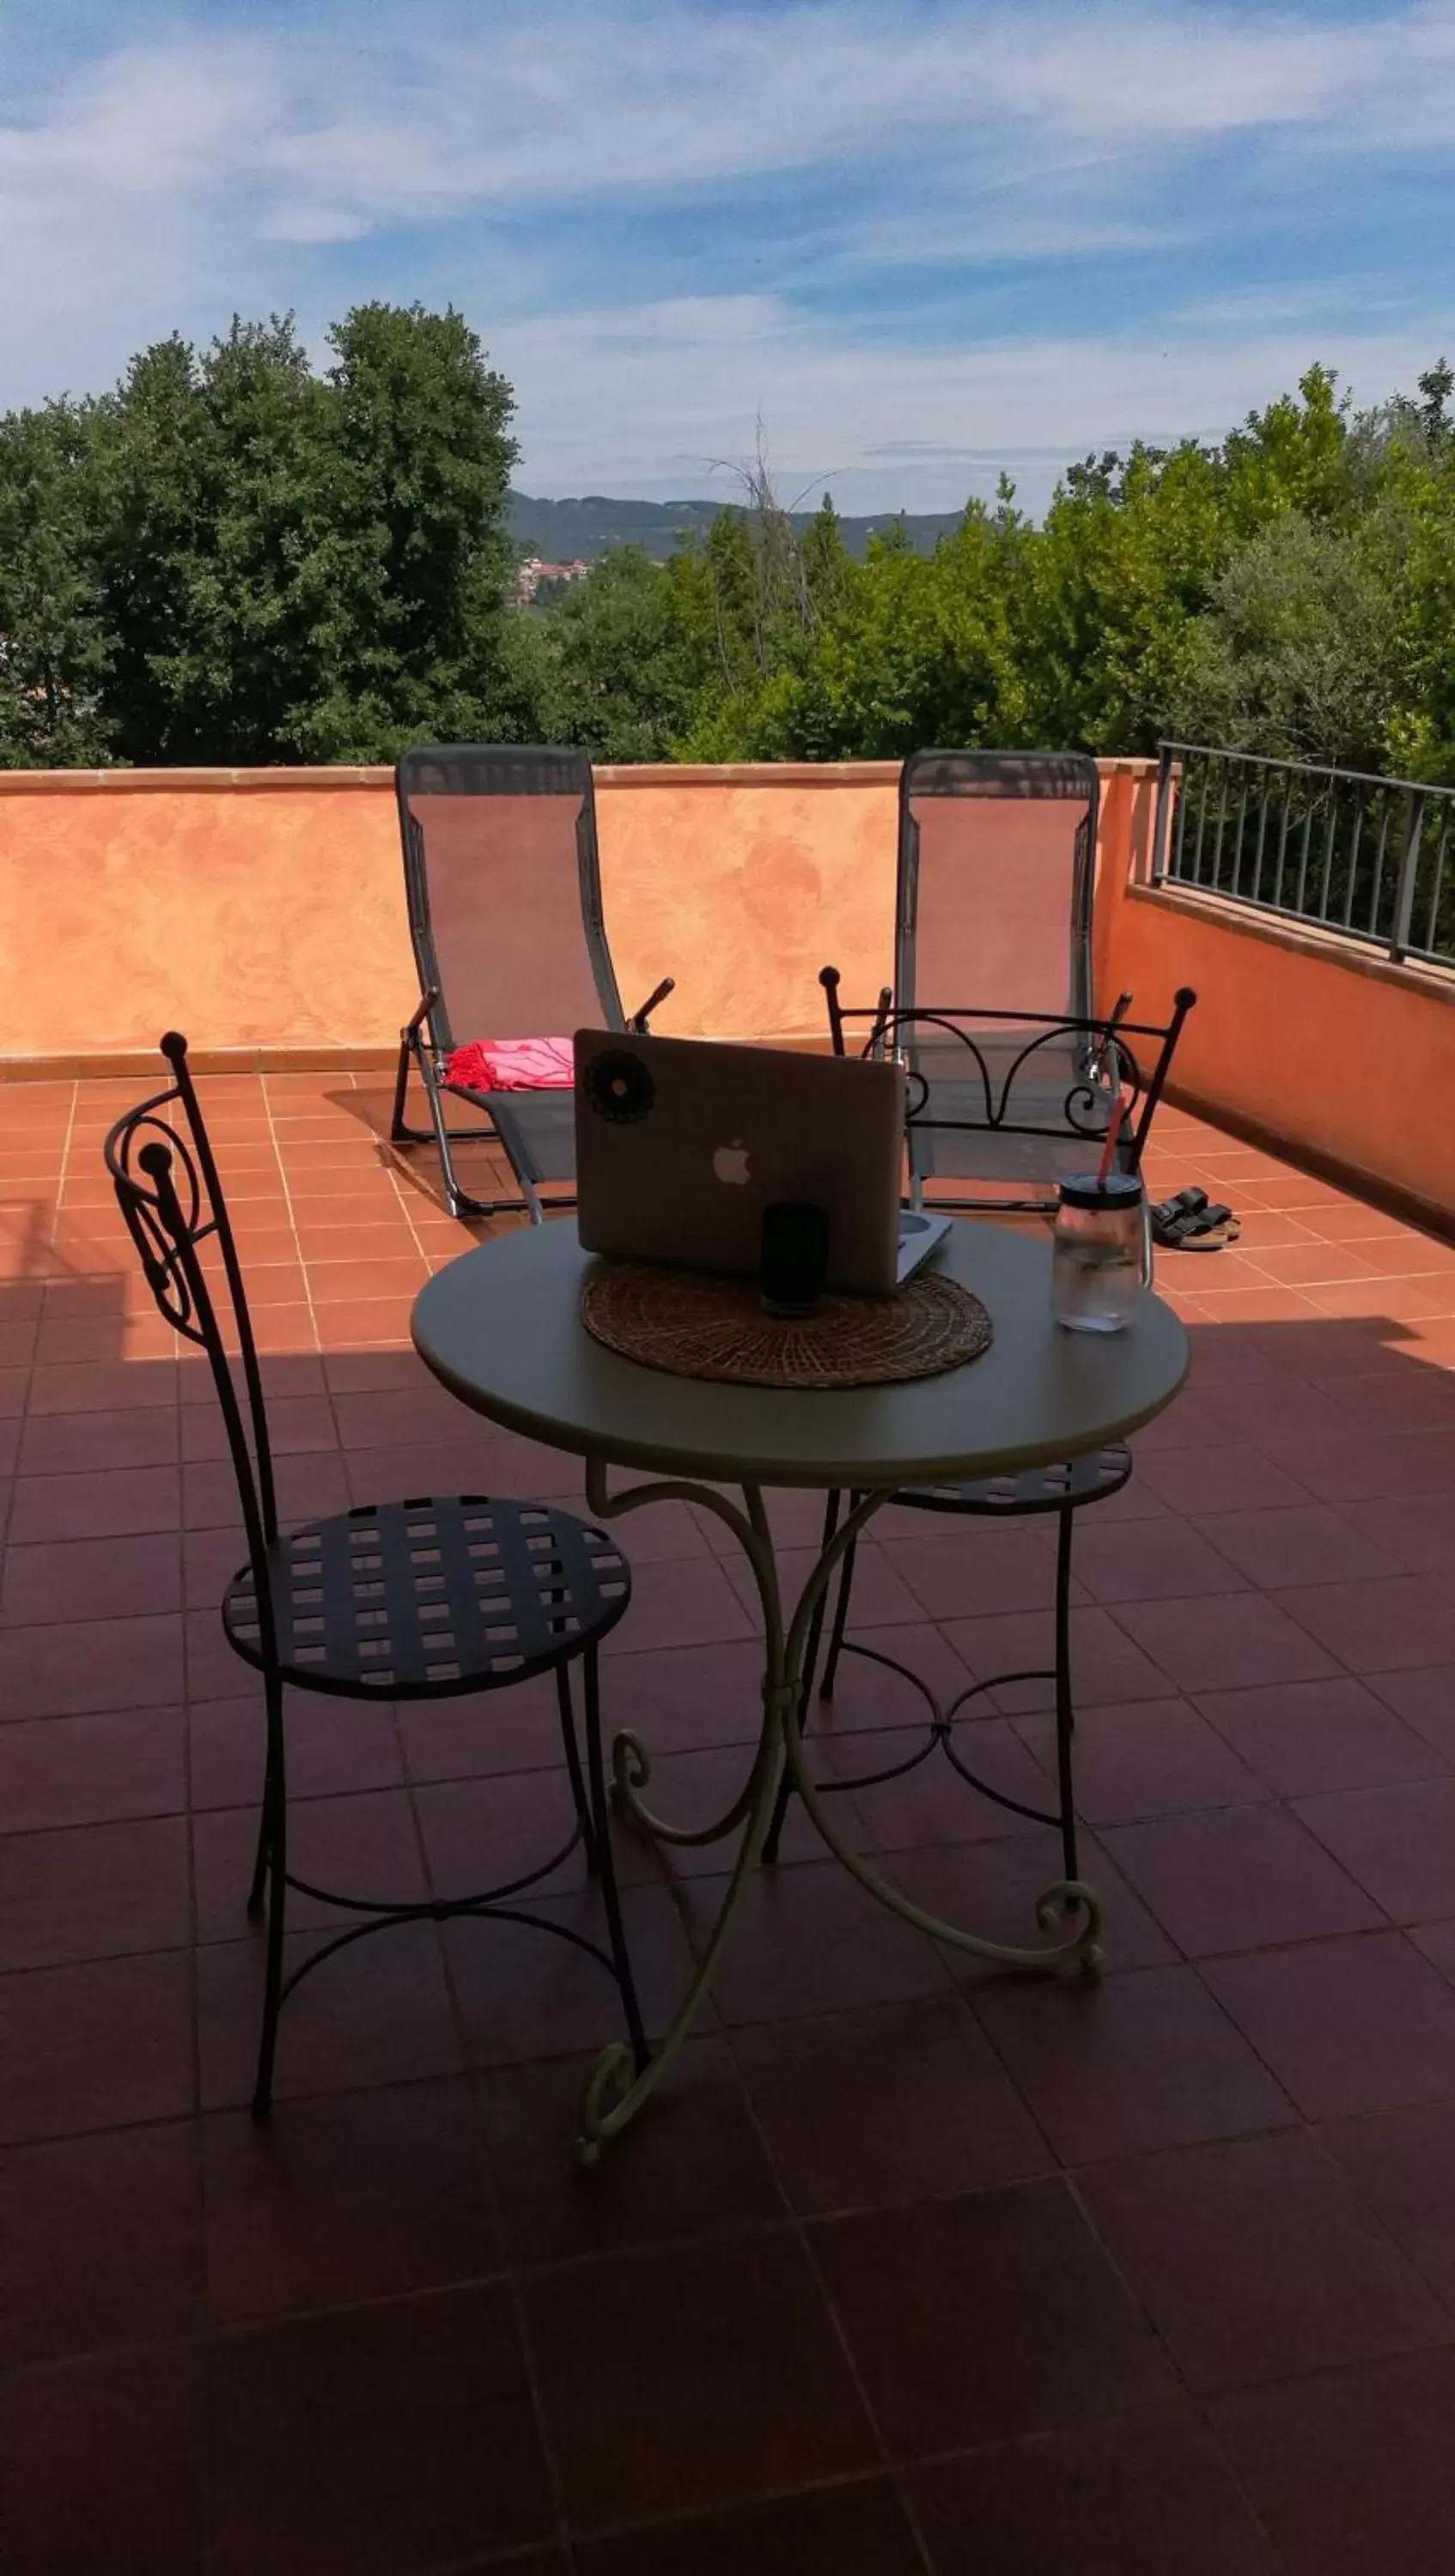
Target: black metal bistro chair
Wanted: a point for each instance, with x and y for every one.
(1099, 1069)
(503, 884)
(419, 1599)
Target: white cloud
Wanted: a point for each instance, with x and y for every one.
(1029, 221)
(169, 182)
(118, 215)
(331, 136)
(143, 124)
(671, 95)
(1305, 304)
(686, 382)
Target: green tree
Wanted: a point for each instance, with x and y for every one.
(409, 565)
(1420, 477)
(752, 604)
(616, 677)
(52, 631)
(1301, 654)
(207, 472)
(827, 564)
(913, 649)
(1294, 455)
(1327, 631)
(1124, 560)
(233, 559)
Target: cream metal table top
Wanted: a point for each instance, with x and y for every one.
(501, 1328)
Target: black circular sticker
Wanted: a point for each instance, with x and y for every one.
(619, 1087)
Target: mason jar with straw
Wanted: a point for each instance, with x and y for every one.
(1101, 1245)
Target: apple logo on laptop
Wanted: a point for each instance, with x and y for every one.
(730, 1164)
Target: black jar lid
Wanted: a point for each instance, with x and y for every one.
(1118, 1190)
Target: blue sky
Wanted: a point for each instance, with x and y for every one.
(919, 239)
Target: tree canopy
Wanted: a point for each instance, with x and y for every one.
(234, 558)
(1290, 591)
(239, 557)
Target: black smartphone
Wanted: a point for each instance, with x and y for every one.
(795, 1256)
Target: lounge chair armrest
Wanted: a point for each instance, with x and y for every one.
(1100, 1064)
(427, 1002)
(639, 1019)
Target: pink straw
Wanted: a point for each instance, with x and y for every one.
(1113, 1123)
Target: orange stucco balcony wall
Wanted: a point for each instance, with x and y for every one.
(262, 911)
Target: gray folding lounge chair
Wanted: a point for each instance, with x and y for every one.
(997, 852)
(504, 892)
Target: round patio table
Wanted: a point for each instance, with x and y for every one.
(501, 1328)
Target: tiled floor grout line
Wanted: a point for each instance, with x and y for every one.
(1111, 1610)
(1299, 2124)
(1201, 2405)
(794, 2223)
(787, 2222)
(892, 2464)
(1022, 1725)
(829, 2015)
(815, 2270)
(1203, 2408)
(396, 1168)
(1203, 2402)
(292, 1216)
(959, 2453)
(531, 2367)
(195, 1998)
(13, 1481)
(471, 2076)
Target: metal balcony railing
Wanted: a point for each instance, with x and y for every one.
(1373, 858)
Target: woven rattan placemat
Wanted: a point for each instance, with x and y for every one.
(694, 1324)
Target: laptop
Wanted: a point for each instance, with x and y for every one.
(681, 1143)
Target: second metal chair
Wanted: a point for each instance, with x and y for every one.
(1101, 1078)
(424, 1598)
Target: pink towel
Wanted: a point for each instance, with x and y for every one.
(512, 1064)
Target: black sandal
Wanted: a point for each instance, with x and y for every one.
(1192, 1222)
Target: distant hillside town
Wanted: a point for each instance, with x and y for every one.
(578, 531)
(535, 574)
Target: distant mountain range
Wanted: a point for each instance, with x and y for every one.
(579, 531)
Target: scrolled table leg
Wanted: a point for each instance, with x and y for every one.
(631, 1770)
(631, 1760)
(1066, 1899)
(617, 2089)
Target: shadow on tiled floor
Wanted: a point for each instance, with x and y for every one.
(913, 2267)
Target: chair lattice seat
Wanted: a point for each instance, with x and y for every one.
(439, 1592)
(1030, 1489)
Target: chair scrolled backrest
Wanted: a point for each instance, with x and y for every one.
(1063, 1075)
(503, 885)
(169, 1194)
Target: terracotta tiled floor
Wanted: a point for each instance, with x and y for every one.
(914, 2267)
